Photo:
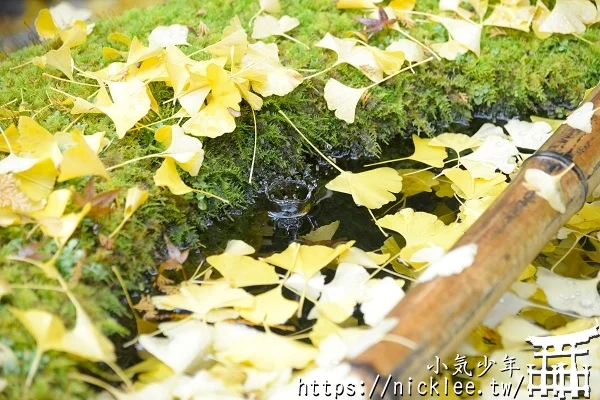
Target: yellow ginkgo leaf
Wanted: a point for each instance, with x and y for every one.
(390, 61)
(201, 299)
(270, 6)
(306, 260)
(270, 308)
(130, 103)
(467, 33)
(417, 227)
(62, 228)
(168, 176)
(30, 177)
(45, 26)
(266, 74)
(138, 52)
(239, 269)
(427, 154)
(185, 150)
(412, 51)
(469, 188)
(450, 49)
(361, 4)
(514, 17)
(239, 344)
(172, 35)
(455, 141)
(80, 160)
(350, 52)
(60, 59)
(46, 328)
(9, 140)
(216, 118)
(74, 36)
(371, 189)
(569, 16)
(85, 341)
(35, 141)
(547, 187)
(582, 117)
(342, 99)
(322, 233)
(233, 44)
(134, 200)
(55, 205)
(541, 12)
(417, 181)
(267, 25)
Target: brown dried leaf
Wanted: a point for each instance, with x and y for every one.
(106, 242)
(101, 203)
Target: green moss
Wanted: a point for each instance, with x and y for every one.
(516, 74)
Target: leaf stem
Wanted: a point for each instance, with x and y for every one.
(33, 368)
(293, 39)
(321, 72)
(135, 160)
(310, 143)
(398, 72)
(255, 145)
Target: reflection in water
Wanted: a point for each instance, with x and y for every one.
(17, 16)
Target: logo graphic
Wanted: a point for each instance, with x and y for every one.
(562, 377)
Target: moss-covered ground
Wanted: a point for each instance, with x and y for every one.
(516, 74)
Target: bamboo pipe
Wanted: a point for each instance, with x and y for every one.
(438, 315)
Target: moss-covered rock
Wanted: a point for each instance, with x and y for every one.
(515, 75)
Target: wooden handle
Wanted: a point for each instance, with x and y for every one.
(438, 315)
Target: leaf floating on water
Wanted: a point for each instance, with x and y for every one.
(322, 233)
(371, 189)
(528, 135)
(579, 296)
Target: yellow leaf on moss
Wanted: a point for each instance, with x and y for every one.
(36, 141)
(80, 160)
(216, 118)
(44, 25)
(342, 99)
(168, 176)
(371, 189)
(185, 150)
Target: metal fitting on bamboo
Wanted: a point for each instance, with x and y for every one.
(438, 315)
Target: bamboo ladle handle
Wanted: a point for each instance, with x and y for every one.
(438, 315)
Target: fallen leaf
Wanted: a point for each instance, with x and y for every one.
(342, 99)
(547, 187)
(371, 189)
(452, 263)
(172, 35)
(582, 117)
(528, 135)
